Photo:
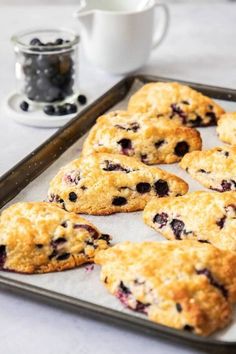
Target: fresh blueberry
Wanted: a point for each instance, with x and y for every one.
(71, 108)
(60, 111)
(118, 201)
(188, 328)
(181, 148)
(73, 196)
(143, 187)
(24, 106)
(177, 227)
(49, 110)
(161, 187)
(82, 99)
(35, 41)
(59, 41)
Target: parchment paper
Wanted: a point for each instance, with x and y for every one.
(81, 283)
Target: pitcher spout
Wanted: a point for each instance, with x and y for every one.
(85, 16)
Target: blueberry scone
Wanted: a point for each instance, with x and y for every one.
(214, 168)
(186, 285)
(226, 128)
(40, 237)
(103, 184)
(149, 139)
(203, 216)
(176, 101)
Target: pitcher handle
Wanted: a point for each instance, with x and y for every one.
(82, 5)
(159, 36)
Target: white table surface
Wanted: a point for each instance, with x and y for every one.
(200, 47)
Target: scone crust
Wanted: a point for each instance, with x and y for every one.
(214, 168)
(177, 101)
(204, 216)
(39, 237)
(148, 139)
(96, 186)
(172, 282)
(226, 128)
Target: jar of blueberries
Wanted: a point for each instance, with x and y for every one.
(47, 67)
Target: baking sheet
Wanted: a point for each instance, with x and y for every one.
(81, 283)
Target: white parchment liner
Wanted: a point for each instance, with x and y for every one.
(80, 283)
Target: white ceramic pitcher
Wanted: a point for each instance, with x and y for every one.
(118, 35)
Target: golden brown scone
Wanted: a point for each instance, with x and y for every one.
(214, 168)
(204, 216)
(103, 184)
(186, 285)
(149, 139)
(176, 101)
(40, 237)
(226, 128)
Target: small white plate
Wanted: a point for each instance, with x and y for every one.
(35, 117)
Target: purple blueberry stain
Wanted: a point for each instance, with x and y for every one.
(93, 232)
(143, 158)
(213, 281)
(161, 219)
(161, 187)
(110, 166)
(177, 226)
(123, 294)
(72, 178)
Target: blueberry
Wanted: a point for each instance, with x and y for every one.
(24, 106)
(49, 110)
(105, 237)
(71, 108)
(42, 83)
(64, 224)
(161, 187)
(212, 280)
(161, 219)
(60, 111)
(3, 255)
(143, 187)
(82, 99)
(73, 196)
(93, 232)
(50, 71)
(59, 41)
(124, 288)
(52, 94)
(159, 143)
(118, 201)
(125, 143)
(39, 245)
(188, 328)
(178, 307)
(212, 117)
(196, 122)
(221, 222)
(35, 41)
(110, 166)
(181, 148)
(63, 256)
(177, 227)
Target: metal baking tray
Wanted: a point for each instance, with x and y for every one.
(33, 165)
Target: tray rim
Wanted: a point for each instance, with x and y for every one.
(91, 309)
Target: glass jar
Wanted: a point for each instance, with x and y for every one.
(46, 65)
